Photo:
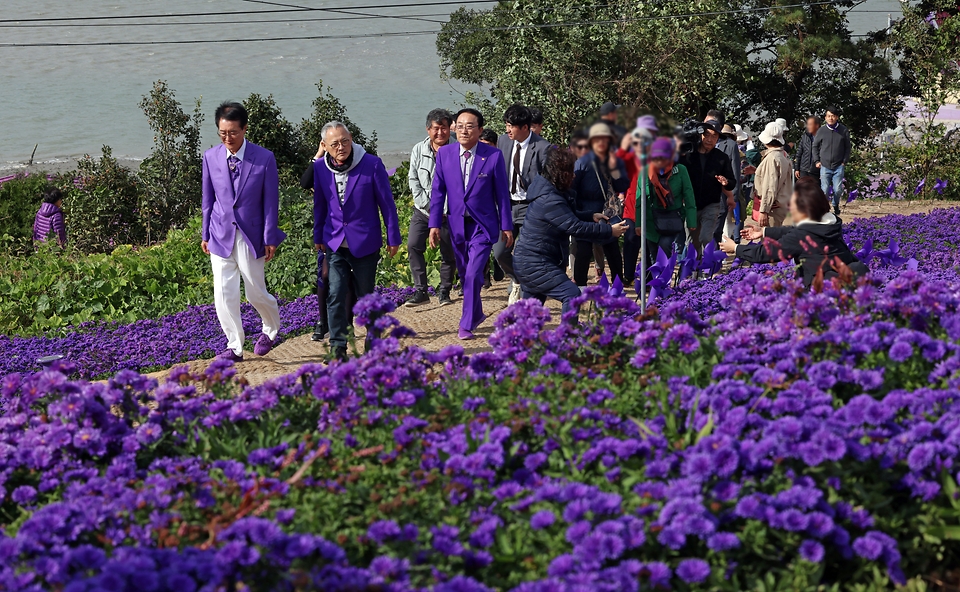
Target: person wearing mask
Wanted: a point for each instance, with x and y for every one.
(803, 163)
(351, 193)
(711, 172)
(608, 115)
(773, 180)
(815, 241)
(49, 218)
(831, 152)
(525, 154)
(239, 229)
(600, 179)
(471, 179)
(671, 205)
(422, 163)
(540, 255)
(629, 152)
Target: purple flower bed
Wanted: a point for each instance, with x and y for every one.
(103, 349)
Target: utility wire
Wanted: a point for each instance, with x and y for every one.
(236, 22)
(412, 33)
(411, 18)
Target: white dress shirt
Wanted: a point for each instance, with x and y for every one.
(521, 194)
(466, 167)
(240, 153)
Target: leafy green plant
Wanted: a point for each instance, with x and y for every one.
(19, 201)
(327, 108)
(270, 129)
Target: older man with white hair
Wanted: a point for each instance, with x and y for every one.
(351, 191)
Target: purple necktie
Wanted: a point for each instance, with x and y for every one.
(233, 163)
(466, 174)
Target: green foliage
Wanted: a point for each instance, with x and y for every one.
(171, 175)
(293, 273)
(327, 108)
(102, 205)
(20, 199)
(267, 127)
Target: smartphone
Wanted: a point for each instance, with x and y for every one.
(614, 220)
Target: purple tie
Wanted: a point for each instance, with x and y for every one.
(233, 163)
(466, 160)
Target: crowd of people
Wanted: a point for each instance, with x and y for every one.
(516, 207)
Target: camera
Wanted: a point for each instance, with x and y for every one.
(690, 133)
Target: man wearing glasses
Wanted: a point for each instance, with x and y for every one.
(241, 200)
(351, 191)
(471, 179)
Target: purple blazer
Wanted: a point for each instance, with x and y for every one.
(253, 212)
(367, 196)
(486, 198)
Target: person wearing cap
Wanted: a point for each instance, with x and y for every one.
(711, 172)
(803, 163)
(608, 115)
(671, 206)
(630, 150)
(831, 152)
(600, 179)
(774, 179)
(727, 224)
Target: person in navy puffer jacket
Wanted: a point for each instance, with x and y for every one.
(540, 256)
(50, 218)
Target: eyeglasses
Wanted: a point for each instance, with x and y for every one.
(582, 146)
(337, 145)
(466, 128)
(230, 134)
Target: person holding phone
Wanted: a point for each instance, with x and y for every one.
(540, 255)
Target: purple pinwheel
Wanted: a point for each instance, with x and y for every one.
(713, 259)
(912, 264)
(919, 187)
(891, 255)
(617, 288)
(661, 273)
(852, 195)
(940, 185)
(637, 274)
(604, 282)
(688, 264)
(892, 187)
(866, 253)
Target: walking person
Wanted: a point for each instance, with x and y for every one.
(351, 193)
(49, 218)
(471, 178)
(728, 223)
(423, 160)
(525, 154)
(774, 179)
(540, 257)
(711, 173)
(804, 164)
(239, 229)
(671, 205)
(600, 180)
(831, 152)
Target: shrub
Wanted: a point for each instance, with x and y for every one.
(268, 128)
(20, 199)
(327, 108)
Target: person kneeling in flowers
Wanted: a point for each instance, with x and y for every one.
(815, 241)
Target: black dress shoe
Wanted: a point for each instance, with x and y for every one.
(445, 297)
(338, 353)
(319, 332)
(486, 282)
(498, 274)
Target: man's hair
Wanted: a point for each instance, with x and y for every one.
(471, 111)
(518, 116)
(577, 136)
(536, 116)
(333, 125)
(52, 195)
(815, 118)
(810, 198)
(231, 111)
(490, 136)
(441, 116)
(833, 109)
(559, 168)
(718, 115)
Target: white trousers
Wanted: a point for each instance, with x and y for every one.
(227, 272)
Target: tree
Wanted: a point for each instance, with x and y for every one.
(327, 108)
(172, 174)
(568, 58)
(268, 128)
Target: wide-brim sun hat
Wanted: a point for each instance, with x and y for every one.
(742, 135)
(599, 130)
(728, 130)
(773, 131)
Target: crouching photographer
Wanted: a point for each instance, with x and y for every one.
(711, 172)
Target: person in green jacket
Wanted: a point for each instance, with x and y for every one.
(671, 206)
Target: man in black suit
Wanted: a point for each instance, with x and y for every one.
(525, 154)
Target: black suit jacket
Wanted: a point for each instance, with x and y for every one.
(534, 162)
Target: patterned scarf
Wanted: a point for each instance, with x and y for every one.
(660, 185)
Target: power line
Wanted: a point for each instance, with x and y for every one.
(341, 11)
(234, 22)
(413, 33)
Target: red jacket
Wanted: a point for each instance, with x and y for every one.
(633, 171)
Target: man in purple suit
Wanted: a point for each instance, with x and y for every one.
(351, 191)
(471, 178)
(241, 199)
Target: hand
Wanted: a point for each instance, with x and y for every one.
(749, 170)
(270, 251)
(205, 245)
(392, 251)
(751, 233)
(320, 152)
(626, 142)
(612, 161)
(731, 201)
(318, 247)
(434, 238)
(722, 180)
(620, 229)
(728, 246)
(763, 219)
(598, 218)
(818, 165)
(507, 237)
(638, 231)
(797, 174)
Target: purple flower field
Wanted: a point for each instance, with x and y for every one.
(749, 433)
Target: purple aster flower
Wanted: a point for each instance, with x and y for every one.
(658, 573)
(794, 520)
(561, 566)
(542, 519)
(811, 551)
(534, 461)
(578, 531)
(901, 351)
(698, 466)
(723, 541)
(383, 530)
(693, 571)
(921, 456)
(24, 494)
(868, 547)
